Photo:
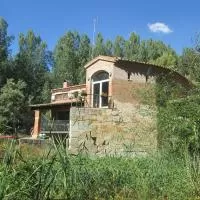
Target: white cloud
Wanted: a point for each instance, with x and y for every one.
(159, 27)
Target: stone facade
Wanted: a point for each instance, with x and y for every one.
(113, 131)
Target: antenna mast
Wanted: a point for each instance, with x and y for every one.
(95, 20)
(94, 30)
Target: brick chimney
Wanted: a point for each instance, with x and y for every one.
(65, 84)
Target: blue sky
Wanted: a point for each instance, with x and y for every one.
(175, 22)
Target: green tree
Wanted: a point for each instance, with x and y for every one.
(119, 46)
(142, 52)
(189, 64)
(99, 48)
(132, 46)
(31, 65)
(12, 104)
(84, 55)
(5, 61)
(168, 60)
(66, 66)
(109, 48)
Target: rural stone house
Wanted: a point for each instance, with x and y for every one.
(107, 113)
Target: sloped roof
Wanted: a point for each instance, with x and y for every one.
(157, 69)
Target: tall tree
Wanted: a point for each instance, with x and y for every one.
(99, 48)
(66, 66)
(5, 61)
(109, 48)
(119, 46)
(32, 65)
(84, 55)
(132, 47)
(142, 52)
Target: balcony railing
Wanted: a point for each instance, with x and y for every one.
(55, 126)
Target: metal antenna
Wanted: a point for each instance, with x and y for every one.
(94, 30)
(95, 20)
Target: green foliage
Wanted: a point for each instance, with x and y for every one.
(70, 55)
(179, 124)
(178, 117)
(99, 48)
(11, 100)
(189, 64)
(132, 46)
(5, 40)
(58, 175)
(119, 46)
(109, 48)
(31, 65)
(5, 63)
(167, 59)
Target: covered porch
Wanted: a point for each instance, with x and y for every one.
(52, 118)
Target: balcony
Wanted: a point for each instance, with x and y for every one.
(54, 127)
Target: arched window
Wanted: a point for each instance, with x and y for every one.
(100, 89)
(100, 76)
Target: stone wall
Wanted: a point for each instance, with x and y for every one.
(131, 130)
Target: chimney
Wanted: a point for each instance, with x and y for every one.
(65, 84)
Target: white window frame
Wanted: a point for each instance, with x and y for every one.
(100, 91)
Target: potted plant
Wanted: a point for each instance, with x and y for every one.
(104, 94)
(83, 93)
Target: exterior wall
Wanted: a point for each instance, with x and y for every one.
(124, 91)
(127, 89)
(106, 131)
(98, 66)
(138, 74)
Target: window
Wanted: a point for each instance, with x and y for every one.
(100, 89)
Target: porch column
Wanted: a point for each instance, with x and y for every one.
(36, 128)
(89, 92)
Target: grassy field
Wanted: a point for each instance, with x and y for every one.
(29, 172)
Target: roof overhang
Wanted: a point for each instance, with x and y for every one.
(53, 105)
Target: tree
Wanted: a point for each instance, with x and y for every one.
(118, 46)
(132, 47)
(12, 103)
(109, 48)
(84, 55)
(189, 64)
(67, 64)
(5, 41)
(31, 65)
(168, 60)
(99, 48)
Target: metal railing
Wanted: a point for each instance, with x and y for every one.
(54, 125)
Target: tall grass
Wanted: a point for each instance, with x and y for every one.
(55, 174)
